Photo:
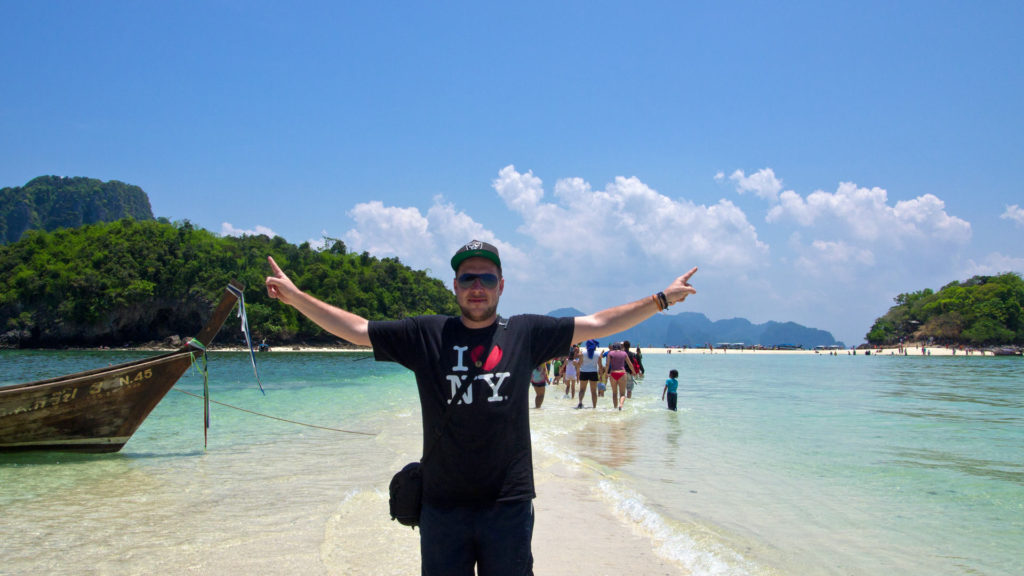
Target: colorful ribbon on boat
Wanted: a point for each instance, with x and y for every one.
(245, 330)
(192, 342)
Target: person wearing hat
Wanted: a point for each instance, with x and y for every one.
(590, 371)
(478, 484)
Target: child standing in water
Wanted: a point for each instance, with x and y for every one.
(671, 385)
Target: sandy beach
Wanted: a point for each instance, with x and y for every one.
(577, 531)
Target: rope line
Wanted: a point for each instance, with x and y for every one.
(276, 418)
(245, 330)
(204, 370)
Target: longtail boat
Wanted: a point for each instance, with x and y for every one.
(99, 410)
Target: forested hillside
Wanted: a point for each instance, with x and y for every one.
(51, 202)
(131, 282)
(984, 310)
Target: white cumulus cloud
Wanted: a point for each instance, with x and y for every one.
(860, 236)
(420, 240)
(227, 229)
(390, 230)
(838, 259)
(763, 183)
(521, 192)
(627, 218)
(598, 241)
(1015, 213)
(992, 264)
(866, 215)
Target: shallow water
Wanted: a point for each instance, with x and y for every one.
(793, 465)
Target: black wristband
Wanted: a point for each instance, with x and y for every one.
(664, 299)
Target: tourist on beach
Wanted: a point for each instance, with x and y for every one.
(636, 369)
(619, 369)
(671, 386)
(571, 371)
(590, 372)
(539, 379)
(638, 355)
(478, 481)
(556, 370)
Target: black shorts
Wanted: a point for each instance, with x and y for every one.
(588, 377)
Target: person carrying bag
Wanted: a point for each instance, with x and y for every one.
(406, 490)
(405, 494)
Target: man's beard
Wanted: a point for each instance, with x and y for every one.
(485, 314)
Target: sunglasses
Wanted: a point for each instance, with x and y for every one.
(488, 281)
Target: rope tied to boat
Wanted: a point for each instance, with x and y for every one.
(279, 419)
(195, 344)
(197, 347)
(245, 330)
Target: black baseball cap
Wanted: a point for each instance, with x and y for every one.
(474, 249)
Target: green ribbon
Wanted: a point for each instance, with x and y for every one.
(204, 370)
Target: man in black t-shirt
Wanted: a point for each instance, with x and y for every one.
(484, 452)
(478, 480)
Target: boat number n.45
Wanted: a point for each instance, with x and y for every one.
(122, 381)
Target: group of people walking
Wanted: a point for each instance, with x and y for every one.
(616, 368)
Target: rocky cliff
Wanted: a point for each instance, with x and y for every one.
(52, 202)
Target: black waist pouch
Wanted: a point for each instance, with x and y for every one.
(406, 495)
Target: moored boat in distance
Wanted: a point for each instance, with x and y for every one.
(99, 410)
(1005, 351)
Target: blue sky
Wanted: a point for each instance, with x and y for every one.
(813, 159)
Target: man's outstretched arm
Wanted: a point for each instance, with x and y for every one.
(619, 318)
(341, 323)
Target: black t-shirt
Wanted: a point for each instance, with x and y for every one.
(484, 452)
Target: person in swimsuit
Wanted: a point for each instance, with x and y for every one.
(539, 380)
(636, 369)
(572, 369)
(619, 369)
(590, 372)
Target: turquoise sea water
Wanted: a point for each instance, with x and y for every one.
(775, 464)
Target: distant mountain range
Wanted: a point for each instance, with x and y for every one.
(52, 202)
(694, 329)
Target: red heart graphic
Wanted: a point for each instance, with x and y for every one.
(475, 355)
(492, 359)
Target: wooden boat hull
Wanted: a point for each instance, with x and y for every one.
(97, 410)
(89, 413)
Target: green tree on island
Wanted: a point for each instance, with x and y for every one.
(131, 282)
(982, 311)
